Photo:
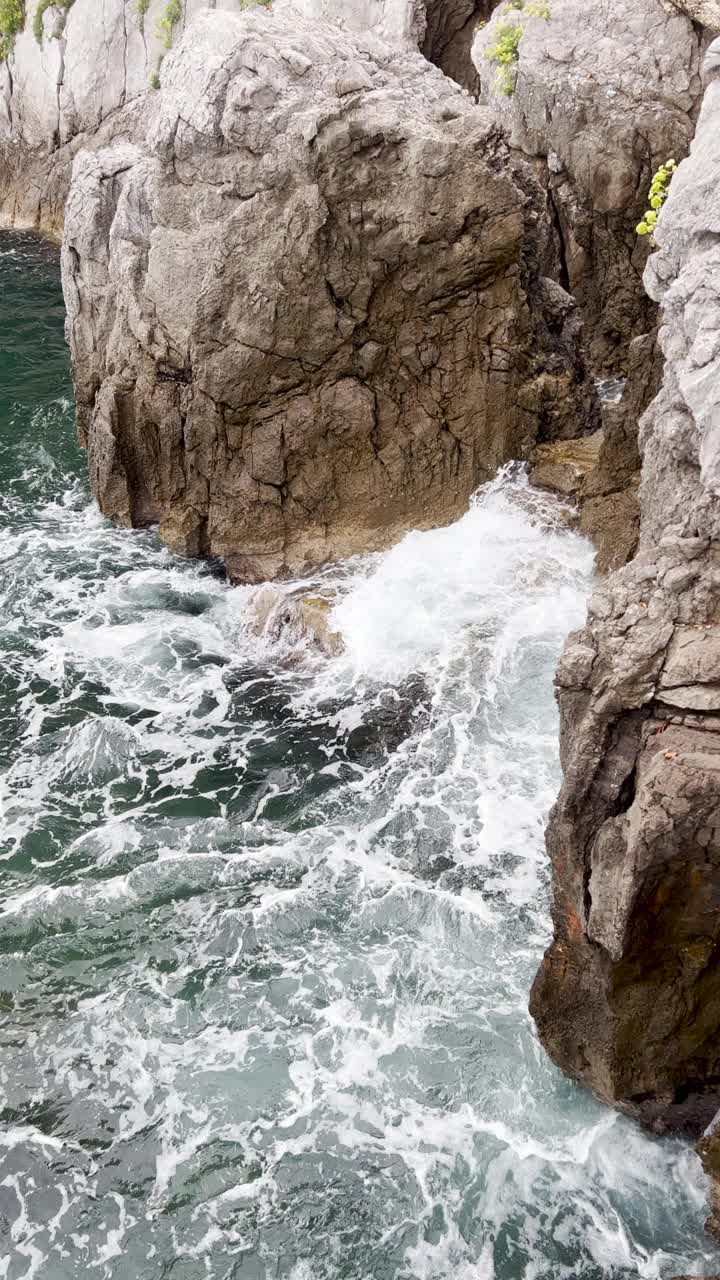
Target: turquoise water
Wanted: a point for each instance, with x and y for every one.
(269, 920)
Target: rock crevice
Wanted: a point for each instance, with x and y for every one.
(628, 997)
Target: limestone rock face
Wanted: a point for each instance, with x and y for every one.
(305, 313)
(398, 21)
(80, 85)
(628, 996)
(706, 12)
(605, 92)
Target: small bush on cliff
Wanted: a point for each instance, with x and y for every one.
(255, 4)
(141, 9)
(504, 53)
(39, 14)
(168, 20)
(12, 21)
(657, 196)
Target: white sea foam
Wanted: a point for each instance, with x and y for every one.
(273, 924)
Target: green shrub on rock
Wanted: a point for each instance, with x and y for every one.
(168, 20)
(504, 53)
(657, 196)
(40, 12)
(12, 21)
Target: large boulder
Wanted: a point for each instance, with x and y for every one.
(600, 95)
(305, 312)
(628, 996)
(75, 76)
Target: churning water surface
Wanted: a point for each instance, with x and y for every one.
(269, 920)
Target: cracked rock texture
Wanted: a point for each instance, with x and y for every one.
(401, 22)
(628, 997)
(306, 312)
(82, 85)
(443, 29)
(706, 12)
(605, 93)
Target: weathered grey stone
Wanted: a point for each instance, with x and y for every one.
(80, 86)
(605, 93)
(706, 12)
(305, 313)
(628, 997)
(401, 22)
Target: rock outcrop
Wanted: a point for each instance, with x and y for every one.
(705, 12)
(601, 472)
(600, 96)
(628, 996)
(81, 84)
(400, 22)
(76, 75)
(306, 313)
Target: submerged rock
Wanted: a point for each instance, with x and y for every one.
(601, 95)
(306, 312)
(628, 996)
(298, 617)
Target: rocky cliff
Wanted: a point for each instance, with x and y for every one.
(307, 312)
(597, 96)
(75, 74)
(628, 997)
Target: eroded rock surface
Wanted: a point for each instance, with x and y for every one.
(81, 85)
(605, 93)
(628, 996)
(450, 32)
(400, 22)
(306, 313)
(706, 12)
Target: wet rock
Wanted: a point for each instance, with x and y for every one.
(709, 1151)
(564, 465)
(628, 996)
(388, 722)
(601, 472)
(297, 618)
(305, 311)
(605, 92)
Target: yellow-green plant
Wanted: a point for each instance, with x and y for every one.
(40, 11)
(141, 9)
(504, 53)
(254, 4)
(168, 20)
(12, 21)
(657, 196)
